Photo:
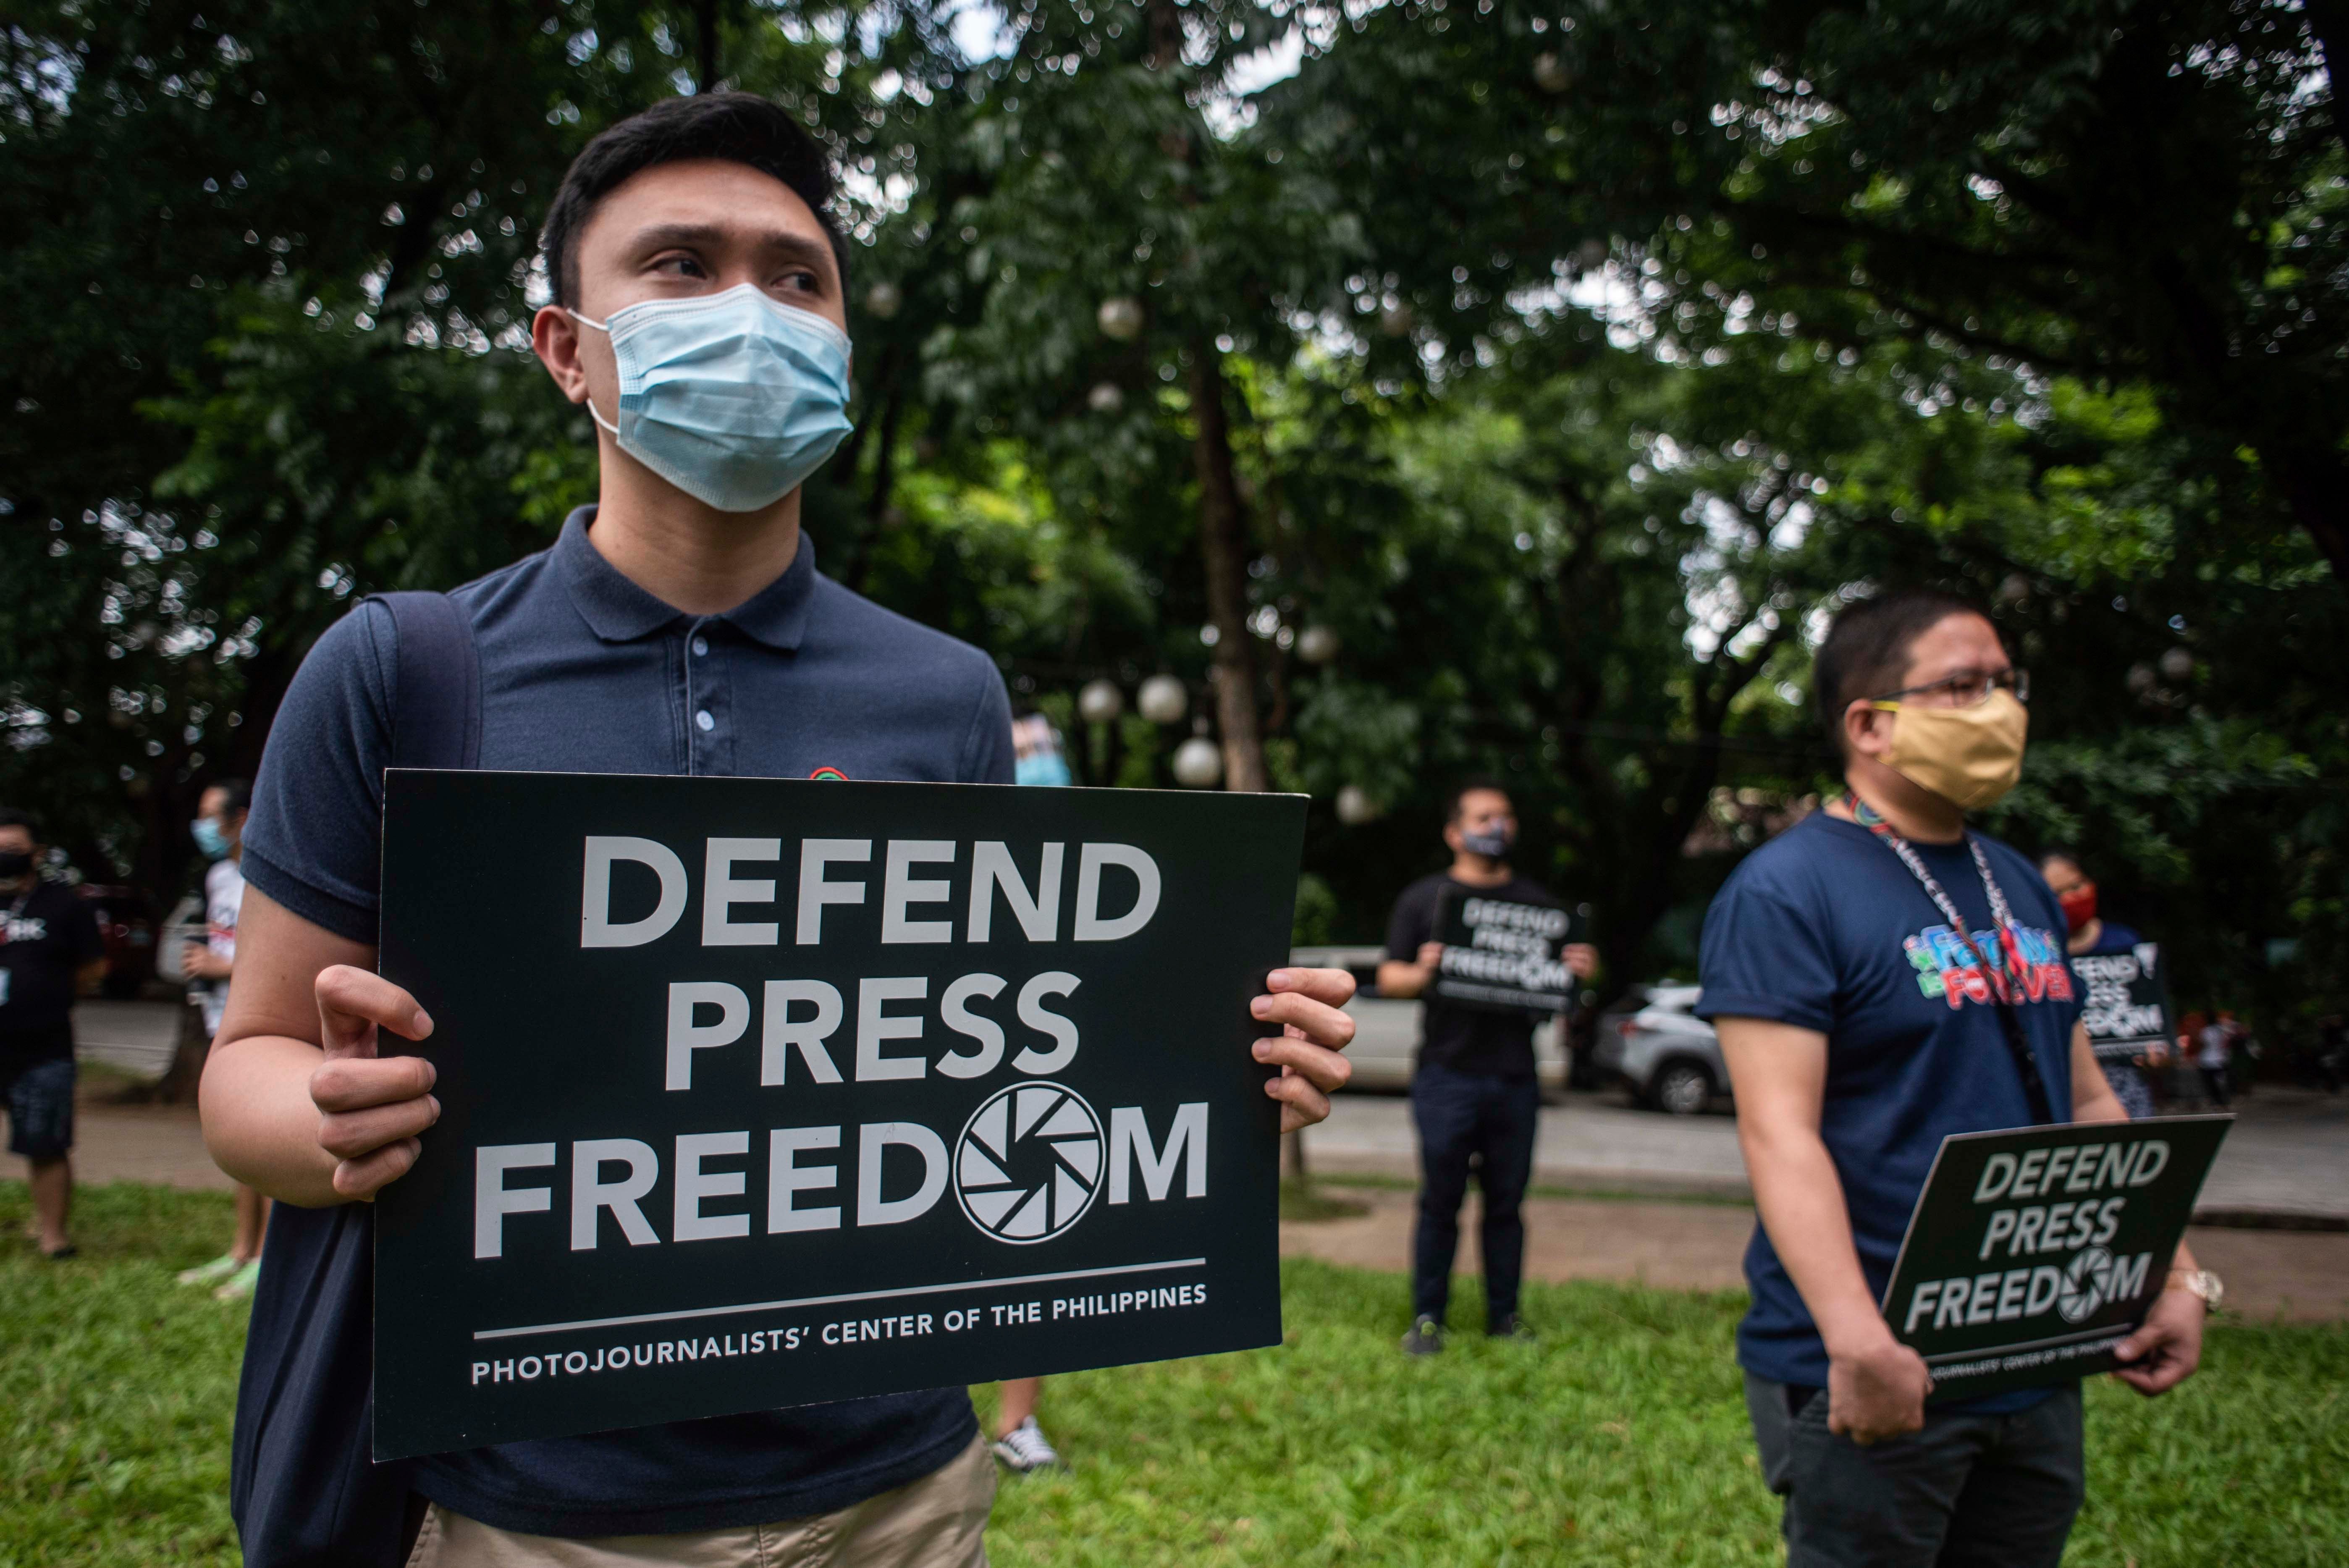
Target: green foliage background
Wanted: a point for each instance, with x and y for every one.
(1578, 359)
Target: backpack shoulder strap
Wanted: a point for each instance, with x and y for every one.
(436, 718)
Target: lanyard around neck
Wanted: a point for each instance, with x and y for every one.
(1868, 816)
(1999, 978)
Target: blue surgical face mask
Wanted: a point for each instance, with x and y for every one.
(1041, 768)
(209, 837)
(733, 397)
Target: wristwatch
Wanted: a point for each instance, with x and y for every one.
(2202, 1282)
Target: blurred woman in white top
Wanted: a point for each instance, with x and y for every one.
(219, 832)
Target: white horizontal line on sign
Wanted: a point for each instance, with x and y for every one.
(2118, 1330)
(837, 1301)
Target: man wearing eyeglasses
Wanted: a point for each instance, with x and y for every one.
(1848, 966)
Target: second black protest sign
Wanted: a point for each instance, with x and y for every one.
(1501, 955)
(2127, 1009)
(761, 1093)
(2033, 1252)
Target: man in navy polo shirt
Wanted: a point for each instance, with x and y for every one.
(678, 627)
(1860, 1029)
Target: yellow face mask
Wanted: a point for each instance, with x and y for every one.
(1968, 756)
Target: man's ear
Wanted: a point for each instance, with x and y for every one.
(1866, 728)
(555, 339)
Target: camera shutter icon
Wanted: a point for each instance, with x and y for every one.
(2087, 1283)
(1029, 1163)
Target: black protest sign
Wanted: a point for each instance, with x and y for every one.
(759, 1093)
(2031, 1254)
(2127, 1008)
(1502, 954)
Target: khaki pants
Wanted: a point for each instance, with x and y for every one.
(937, 1522)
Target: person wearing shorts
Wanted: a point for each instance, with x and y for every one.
(49, 951)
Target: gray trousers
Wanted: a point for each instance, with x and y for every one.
(1968, 1491)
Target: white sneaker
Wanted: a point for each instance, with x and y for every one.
(213, 1273)
(1023, 1450)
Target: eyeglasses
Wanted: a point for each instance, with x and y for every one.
(1968, 689)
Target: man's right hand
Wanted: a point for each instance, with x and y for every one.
(371, 1108)
(1431, 956)
(1878, 1391)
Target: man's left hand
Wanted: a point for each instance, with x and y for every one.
(1582, 959)
(1308, 1005)
(2166, 1351)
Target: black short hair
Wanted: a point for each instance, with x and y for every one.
(2064, 853)
(740, 127)
(238, 791)
(1468, 786)
(12, 817)
(1867, 649)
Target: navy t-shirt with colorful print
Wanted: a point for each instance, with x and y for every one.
(1824, 929)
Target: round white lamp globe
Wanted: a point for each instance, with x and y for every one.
(1163, 700)
(1100, 702)
(1198, 763)
(1120, 316)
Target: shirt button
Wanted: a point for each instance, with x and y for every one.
(705, 720)
(700, 645)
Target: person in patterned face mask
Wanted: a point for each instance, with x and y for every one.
(1474, 1095)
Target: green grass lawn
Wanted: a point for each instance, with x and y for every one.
(1618, 1438)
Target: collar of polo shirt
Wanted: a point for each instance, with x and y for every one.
(617, 611)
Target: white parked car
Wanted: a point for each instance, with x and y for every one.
(1652, 1042)
(1386, 1029)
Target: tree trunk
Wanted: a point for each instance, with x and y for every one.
(267, 678)
(1223, 541)
(2316, 487)
(177, 1087)
(706, 44)
(1112, 760)
(859, 564)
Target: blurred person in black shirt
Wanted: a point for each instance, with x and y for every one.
(1473, 1093)
(49, 951)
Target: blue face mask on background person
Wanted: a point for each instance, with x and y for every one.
(209, 837)
(733, 397)
(1044, 768)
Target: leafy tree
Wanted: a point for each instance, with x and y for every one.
(2098, 188)
(1565, 365)
(1141, 263)
(271, 268)
(259, 215)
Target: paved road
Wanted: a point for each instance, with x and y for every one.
(2289, 1153)
(137, 1037)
